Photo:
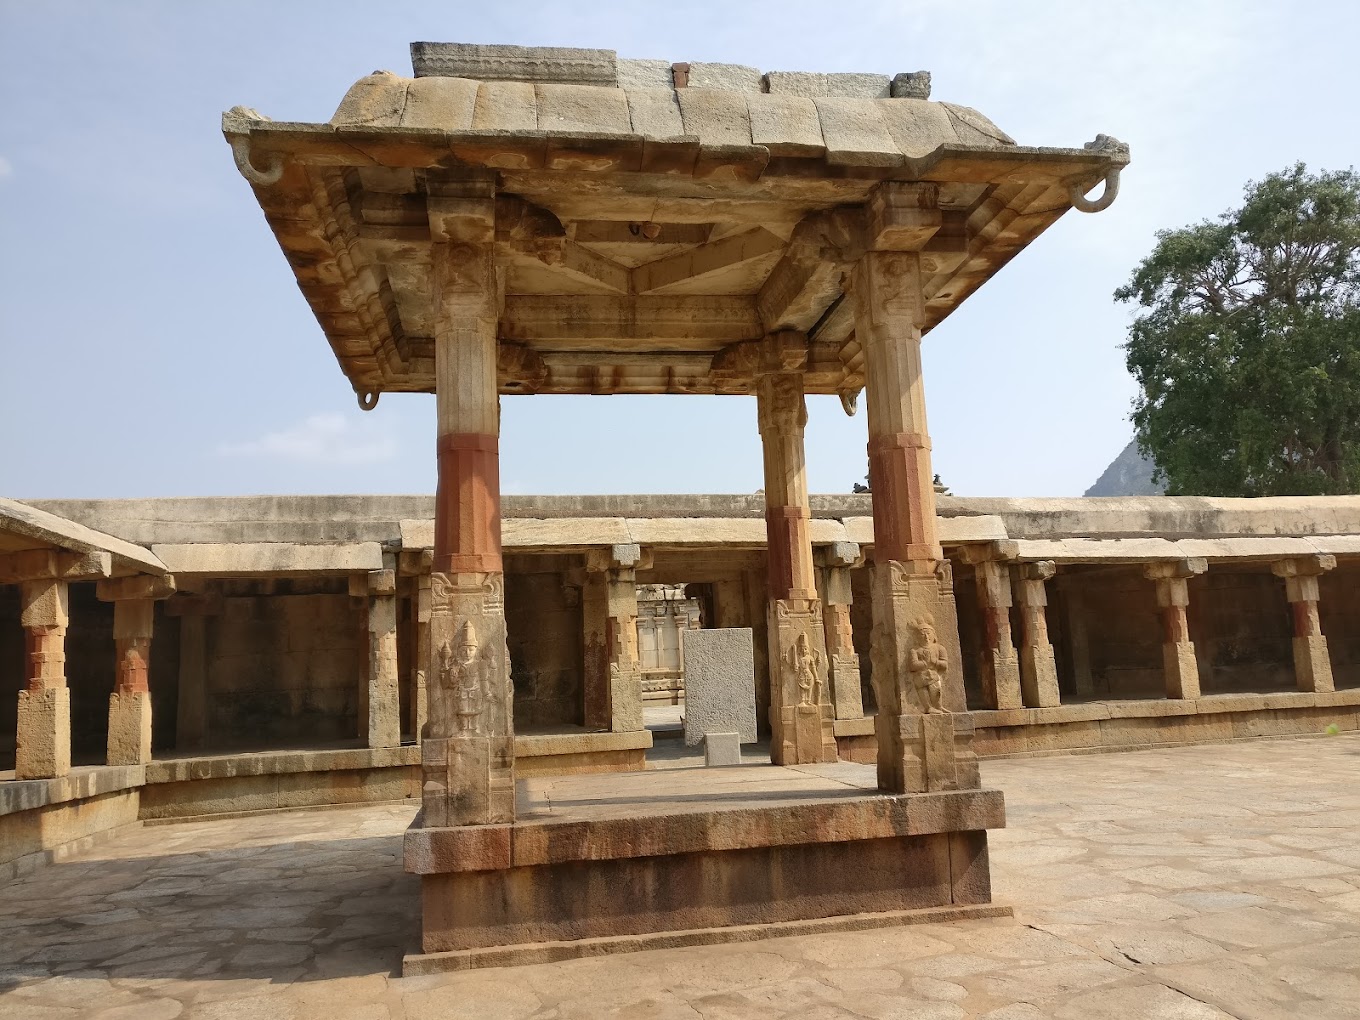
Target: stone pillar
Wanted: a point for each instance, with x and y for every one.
(421, 660)
(191, 710)
(1312, 663)
(917, 666)
(44, 733)
(1178, 651)
(837, 598)
(1078, 644)
(800, 708)
(1038, 668)
(381, 703)
(134, 605)
(468, 756)
(614, 687)
(1000, 663)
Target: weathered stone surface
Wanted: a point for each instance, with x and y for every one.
(811, 84)
(731, 77)
(911, 85)
(786, 123)
(719, 684)
(43, 741)
(722, 749)
(645, 74)
(129, 728)
(273, 558)
(560, 64)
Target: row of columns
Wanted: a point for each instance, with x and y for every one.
(1027, 677)
(43, 737)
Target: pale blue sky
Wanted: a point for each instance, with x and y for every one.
(152, 341)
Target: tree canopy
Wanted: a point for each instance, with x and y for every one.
(1247, 343)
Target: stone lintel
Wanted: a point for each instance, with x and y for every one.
(142, 586)
(432, 851)
(1304, 566)
(41, 564)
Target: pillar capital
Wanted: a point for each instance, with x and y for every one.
(141, 586)
(626, 556)
(1162, 570)
(1304, 566)
(902, 216)
(1002, 550)
(841, 554)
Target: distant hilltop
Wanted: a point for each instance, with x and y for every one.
(1129, 474)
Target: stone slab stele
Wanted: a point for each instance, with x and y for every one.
(720, 685)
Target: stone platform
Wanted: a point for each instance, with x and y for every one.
(600, 864)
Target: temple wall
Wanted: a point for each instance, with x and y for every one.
(1339, 609)
(283, 670)
(1124, 631)
(1240, 623)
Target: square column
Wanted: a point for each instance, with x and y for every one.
(837, 598)
(1312, 663)
(44, 733)
(421, 660)
(1178, 652)
(1000, 663)
(381, 701)
(467, 757)
(191, 710)
(613, 663)
(1038, 668)
(134, 605)
(800, 706)
(917, 665)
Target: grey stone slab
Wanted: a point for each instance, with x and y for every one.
(859, 86)
(720, 685)
(911, 85)
(443, 103)
(582, 108)
(855, 133)
(917, 127)
(786, 124)
(505, 106)
(732, 77)
(645, 74)
(560, 64)
(715, 117)
(655, 113)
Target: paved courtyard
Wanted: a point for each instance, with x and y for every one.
(1203, 882)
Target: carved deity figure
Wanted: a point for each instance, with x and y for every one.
(806, 664)
(461, 671)
(927, 664)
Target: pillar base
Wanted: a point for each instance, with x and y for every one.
(44, 734)
(1313, 664)
(468, 780)
(1181, 669)
(625, 700)
(129, 728)
(845, 687)
(806, 736)
(1002, 687)
(1039, 677)
(927, 758)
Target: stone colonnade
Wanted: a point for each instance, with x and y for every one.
(1028, 677)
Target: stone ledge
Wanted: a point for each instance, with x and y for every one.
(550, 952)
(263, 763)
(81, 784)
(534, 745)
(862, 727)
(528, 843)
(1033, 716)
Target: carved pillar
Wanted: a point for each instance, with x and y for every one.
(800, 709)
(614, 690)
(1178, 651)
(1000, 663)
(837, 598)
(468, 757)
(1038, 668)
(191, 709)
(917, 666)
(421, 660)
(381, 722)
(44, 732)
(1312, 663)
(1078, 643)
(134, 605)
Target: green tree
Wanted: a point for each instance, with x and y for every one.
(1247, 344)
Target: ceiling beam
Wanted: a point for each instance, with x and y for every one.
(705, 260)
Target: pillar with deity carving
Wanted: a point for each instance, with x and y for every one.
(467, 758)
(800, 705)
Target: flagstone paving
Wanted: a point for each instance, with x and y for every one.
(1184, 884)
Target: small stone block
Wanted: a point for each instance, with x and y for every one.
(722, 749)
